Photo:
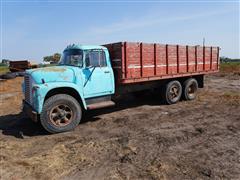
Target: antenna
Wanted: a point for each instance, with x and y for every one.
(204, 41)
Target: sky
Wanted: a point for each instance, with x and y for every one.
(34, 29)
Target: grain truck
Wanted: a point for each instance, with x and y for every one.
(90, 77)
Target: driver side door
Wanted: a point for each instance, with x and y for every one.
(97, 74)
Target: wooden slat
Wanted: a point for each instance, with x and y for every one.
(177, 58)
(141, 59)
(211, 59)
(204, 63)
(196, 64)
(166, 59)
(217, 57)
(125, 65)
(187, 56)
(155, 59)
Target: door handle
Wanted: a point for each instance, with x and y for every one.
(106, 71)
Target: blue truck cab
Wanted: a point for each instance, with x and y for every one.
(57, 95)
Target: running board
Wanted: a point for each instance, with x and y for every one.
(100, 105)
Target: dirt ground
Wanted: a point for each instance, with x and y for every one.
(140, 138)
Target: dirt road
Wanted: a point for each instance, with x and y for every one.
(138, 139)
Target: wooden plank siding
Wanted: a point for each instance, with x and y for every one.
(138, 62)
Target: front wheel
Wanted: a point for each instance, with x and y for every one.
(172, 92)
(60, 113)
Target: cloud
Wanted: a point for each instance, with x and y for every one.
(149, 20)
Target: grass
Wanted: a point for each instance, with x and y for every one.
(232, 98)
(4, 69)
(230, 67)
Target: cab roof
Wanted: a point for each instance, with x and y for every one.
(83, 47)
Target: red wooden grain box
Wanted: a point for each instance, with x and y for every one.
(139, 62)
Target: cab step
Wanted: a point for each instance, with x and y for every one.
(100, 105)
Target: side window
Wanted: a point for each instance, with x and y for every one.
(102, 60)
(95, 58)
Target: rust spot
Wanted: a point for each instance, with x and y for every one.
(53, 69)
(64, 77)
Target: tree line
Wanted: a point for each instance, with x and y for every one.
(52, 58)
(224, 59)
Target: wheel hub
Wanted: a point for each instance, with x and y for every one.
(191, 89)
(174, 91)
(61, 115)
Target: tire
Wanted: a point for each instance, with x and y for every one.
(172, 92)
(20, 74)
(190, 87)
(56, 110)
(8, 76)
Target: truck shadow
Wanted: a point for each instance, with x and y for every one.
(124, 102)
(18, 125)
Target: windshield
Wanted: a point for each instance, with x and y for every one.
(72, 57)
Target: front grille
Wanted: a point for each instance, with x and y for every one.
(27, 82)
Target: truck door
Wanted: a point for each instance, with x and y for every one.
(98, 77)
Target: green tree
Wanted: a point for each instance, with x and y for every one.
(53, 58)
(224, 59)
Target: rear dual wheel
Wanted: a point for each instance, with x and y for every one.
(172, 92)
(190, 87)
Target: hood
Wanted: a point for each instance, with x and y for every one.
(52, 74)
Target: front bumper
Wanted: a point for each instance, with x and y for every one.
(29, 111)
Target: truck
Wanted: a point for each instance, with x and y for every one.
(21, 65)
(90, 77)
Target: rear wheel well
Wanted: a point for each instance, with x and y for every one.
(65, 90)
(200, 80)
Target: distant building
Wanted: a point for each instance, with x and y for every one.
(5, 62)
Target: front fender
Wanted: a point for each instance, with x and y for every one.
(41, 91)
